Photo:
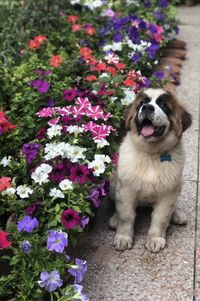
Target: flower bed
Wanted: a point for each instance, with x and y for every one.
(66, 98)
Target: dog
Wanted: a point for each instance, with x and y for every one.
(151, 161)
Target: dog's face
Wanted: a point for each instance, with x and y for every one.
(154, 114)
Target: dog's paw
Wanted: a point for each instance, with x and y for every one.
(179, 218)
(155, 244)
(113, 222)
(123, 242)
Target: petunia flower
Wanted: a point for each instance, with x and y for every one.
(79, 271)
(72, 19)
(30, 151)
(70, 218)
(4, 242)
(79, 174)
(55, 61)
(5, 183)
(26, 246)
(41, 85)
(76, 27)
(80, 296)
(50, 281)
(69, 94)
(27, 224)
(57, 241)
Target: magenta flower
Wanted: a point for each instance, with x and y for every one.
(41, 85)
(69, 94)
(79, 174)
(70, 218)
(32, 208)
(41, 134)
(58, 173)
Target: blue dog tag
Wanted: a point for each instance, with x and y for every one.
(165, 157)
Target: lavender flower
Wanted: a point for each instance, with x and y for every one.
(27, 224)
(163, 3)
(50, 281)
(84, 221)
(94, 197)
(159, 74)
(79, 271)
(30, 151)
(26, 246)
(57, 241)
(81, 296)
(152, 50)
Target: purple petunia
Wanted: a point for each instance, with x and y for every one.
(81, 296)
(136, 57)
(159, 74)
(57, 241)
(69, 94)
(50, 281)
(94, 197)
(27, 224)
(30, 151)
(164, 3)
(26, 246)
(84, 221)
(159, 16)
(79, 271)
(41, 85)
(152, 50)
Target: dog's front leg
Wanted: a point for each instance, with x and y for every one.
(125, 207)
(161, 216)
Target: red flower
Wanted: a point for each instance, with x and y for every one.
(73, 19)
(70, 218)
(100, 66)
(4, 242)
(90, 31)
(86, 52)
(90, 78)
(76, 27)
(5, 125)
(36, 42)
(111, 70)
(129, 82)
(5, 183)
(120, 66)
(55, 61)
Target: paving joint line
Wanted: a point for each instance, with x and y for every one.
(196, 210)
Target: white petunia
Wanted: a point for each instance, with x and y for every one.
(115, 46)
(5, 161)
(66, 185)
(56, 193)
(53, 150)
(41, 173)
(54, 130)
(129, 96)
(98, 164)
(76, 153)
(8, 191)
(23, 191)
(75, 129)
(101, 143)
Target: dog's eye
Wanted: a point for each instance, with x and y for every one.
(164, 107)
(145, 100)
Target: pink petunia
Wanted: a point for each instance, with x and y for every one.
(98, 132)
(53, 121)
(65, 111)
(94, 112)
(83, 102)
(46, 112)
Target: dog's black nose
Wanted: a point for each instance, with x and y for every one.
(147, 108)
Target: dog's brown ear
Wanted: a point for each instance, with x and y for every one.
(127, 116)
(186, 119)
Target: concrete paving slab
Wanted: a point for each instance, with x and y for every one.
(138, 275)
(189, 15)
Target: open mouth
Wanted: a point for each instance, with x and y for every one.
(149, 130)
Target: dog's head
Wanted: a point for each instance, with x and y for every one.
(155, 114)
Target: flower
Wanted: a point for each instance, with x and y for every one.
(23, 191)
(163, 3)
(5, 125)
(5, 161)
(25, 246)
(50, 281)
(27, 224)
(84, 221)
(79, 271)
(8, 191)
(159, 74)
(32, 208)
(37, 42)
(91, 78)
(75, 153)
(79, 174)
(41, 85)
(108, 13)
(75, 129)
(57, 241)
(76, 27)
(86, 52)
(73, 19)
(56, 193)
(55, 61)
(41, 173)
(98, 164)
(70, 218)
(58, 173)
(79, 295)
(54, 130)
(129, 96)
(30, 151)
(4, 242)
(5, 183)
(66, 185)
(69, 94)
(94, 197)
(90, 30)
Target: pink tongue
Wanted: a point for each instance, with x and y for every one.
(147, 130)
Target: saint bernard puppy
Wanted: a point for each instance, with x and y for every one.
(151, 160)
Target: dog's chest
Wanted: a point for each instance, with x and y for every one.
(149, 175)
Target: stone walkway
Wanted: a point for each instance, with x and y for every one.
(174, 273)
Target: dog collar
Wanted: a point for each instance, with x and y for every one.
(165, 157)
